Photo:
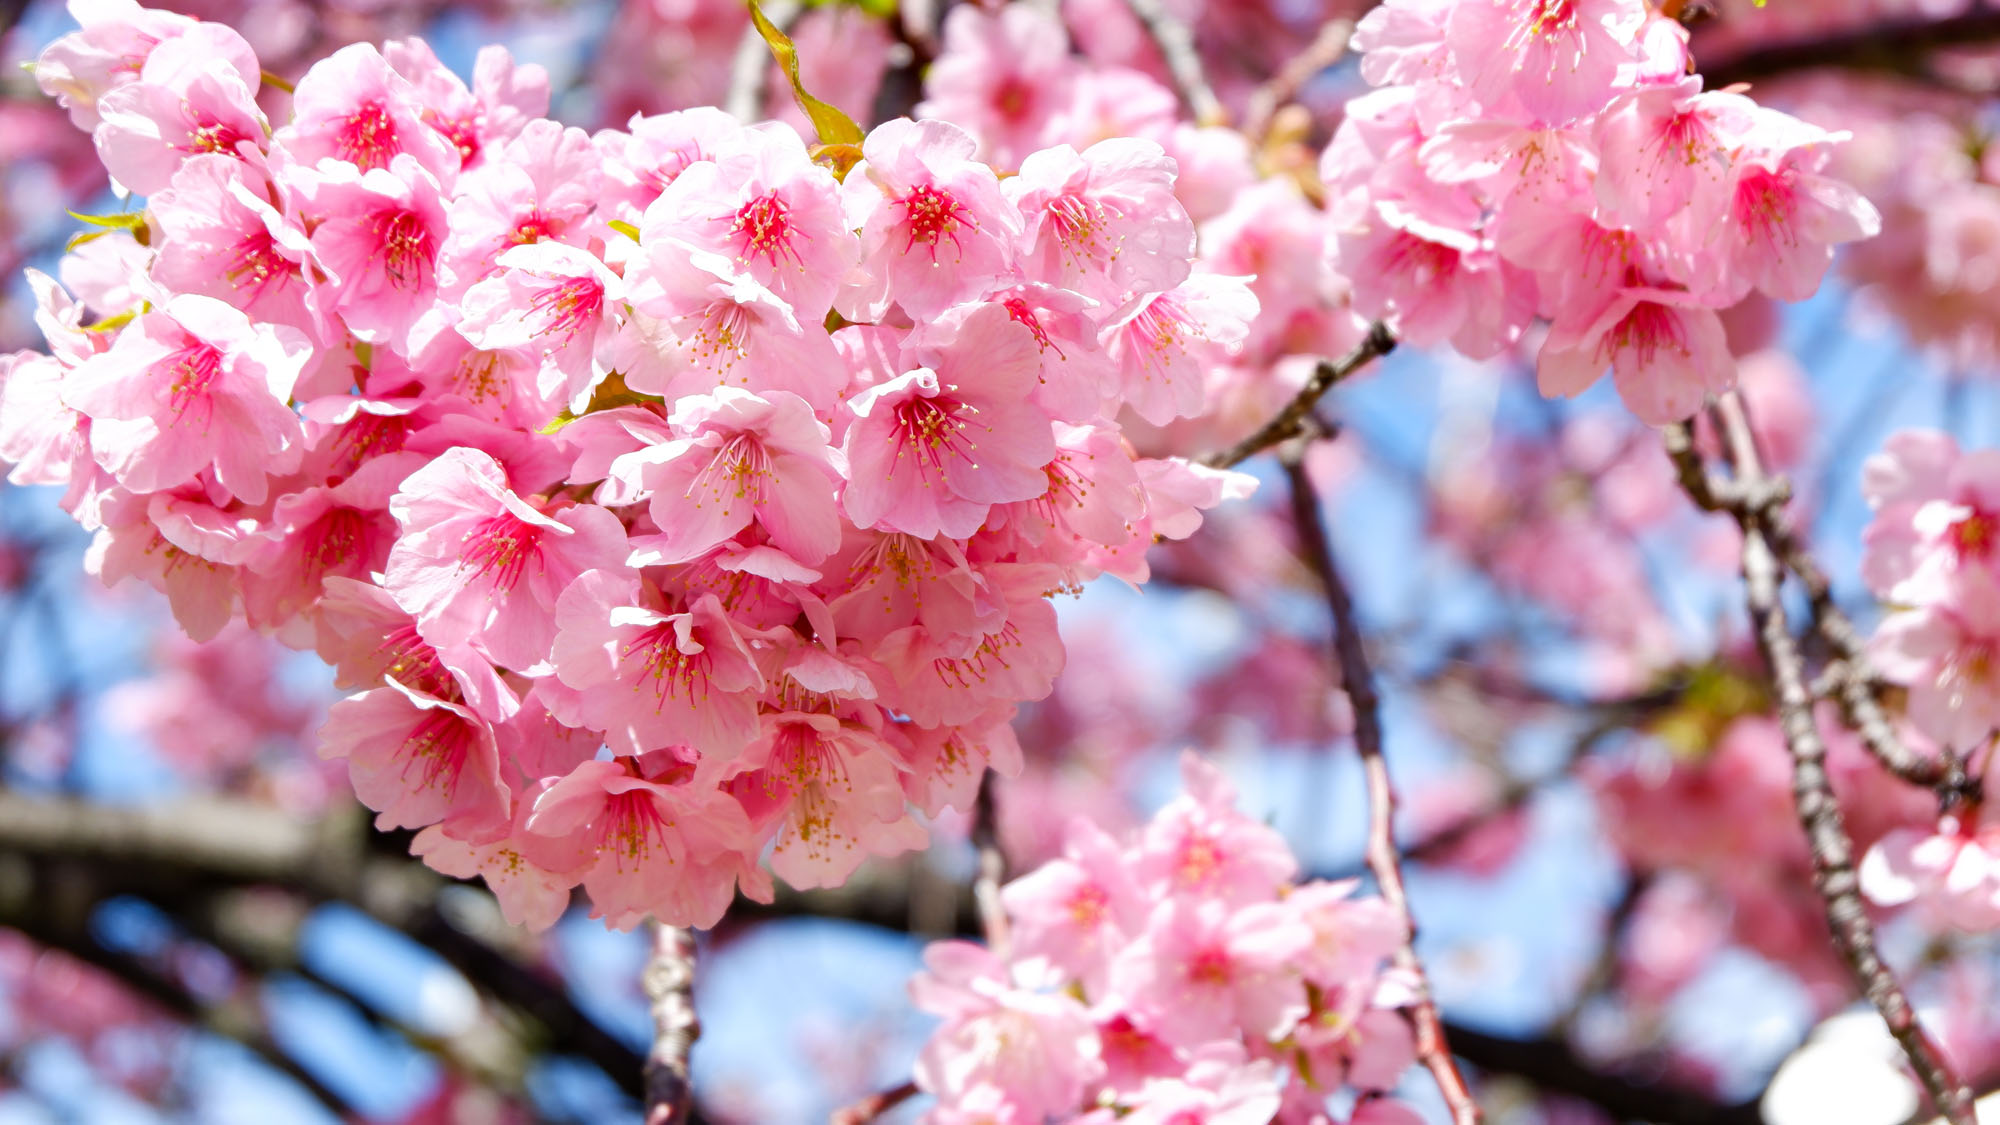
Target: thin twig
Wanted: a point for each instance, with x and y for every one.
(1176, 44)
(1291, 421)
(992, 869)
(669, 983)
(1357, 678)
(873, 1106)
(1756, 502)
(1850, 680)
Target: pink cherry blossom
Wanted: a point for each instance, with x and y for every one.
(224, 239)
(740, 459)
(476, 564)
(418, 760)
(1004, 76)
(1558, 59)
(645, 846)
(1162, 342)
(717, 325)
(651, 679)
(179, 107)
(935, 227)
(761, 201)
(1666, 352)
(194, 386)
(550, 301)
(354, 108)
(930, 451)
(377, 242)
(1950, 874)
(1080, 212)
(1037, 1050)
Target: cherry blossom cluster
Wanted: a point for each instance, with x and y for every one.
(1010, 77)
(672, 499)
(1178, 975)
(1932, 554)
(1919, 152)
(1527, 158)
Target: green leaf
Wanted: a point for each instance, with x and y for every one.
(624, 228)
(833, 126)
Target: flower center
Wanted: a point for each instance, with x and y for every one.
(502, 546)
(367, 137)
(763, 228)
(934, 217)
(406, 248)
(192, 374)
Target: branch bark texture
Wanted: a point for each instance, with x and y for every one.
(1756, 501)
(668, 980)
(1357, 678)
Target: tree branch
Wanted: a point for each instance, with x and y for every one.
(1850, 679)
(669, 984)
(1291, 421)
(1357, 679)
(68, 930)
(992, 869)
(1893, 45)
(145, 851)
(1551, 1065)
(1756, 502)
(1176, 44)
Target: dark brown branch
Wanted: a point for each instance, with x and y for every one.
(1551, 1065)
(992, 869)
(669, 984)
(1756, 501)
(69, 931)
(1291, 421)
(1897, 46)
(485, 1055)
(211, 844)
(1357, 679)
(1176, 43)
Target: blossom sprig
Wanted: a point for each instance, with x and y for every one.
(1522, 159)
(1177, 975)
(674, 505)
(1932, 555)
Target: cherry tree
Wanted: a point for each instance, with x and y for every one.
(933, 467)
